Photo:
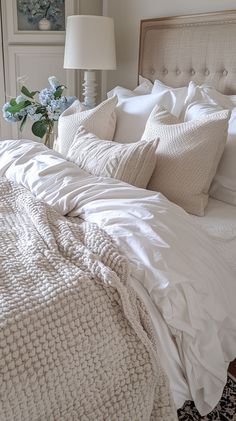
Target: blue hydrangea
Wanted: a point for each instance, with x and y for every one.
(46, 95)
(59, 105)
(46, 106)
(53, 82)
(55, 105)
(5, 106)
(30, 110)
(9, 116)
(22, 112)
(70, 100)
(20, 98)
(54, 116)
(36, 116)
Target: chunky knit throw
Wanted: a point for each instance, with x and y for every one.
(75, 341)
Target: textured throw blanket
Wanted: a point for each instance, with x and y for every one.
(75, 341)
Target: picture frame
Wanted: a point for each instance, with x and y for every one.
(27, 36)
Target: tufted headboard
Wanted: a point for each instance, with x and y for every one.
(198, 47)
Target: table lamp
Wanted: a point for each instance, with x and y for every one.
(90, 46)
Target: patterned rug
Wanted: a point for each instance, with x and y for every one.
(224, 411)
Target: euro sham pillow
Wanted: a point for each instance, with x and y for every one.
(100, 120)
(144, 87)
(132, 113)
(225, 101)
(187, 156)
(224, 184)
(206, 100)
(132, 163)
(179, 94)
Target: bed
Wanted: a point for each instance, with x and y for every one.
(120, 305)
(169, 51)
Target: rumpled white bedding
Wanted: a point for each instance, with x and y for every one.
(187, 286)
(219, 223)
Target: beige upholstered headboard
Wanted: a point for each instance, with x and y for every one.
(196, 47)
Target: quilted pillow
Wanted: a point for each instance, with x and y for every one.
(187, 156)
(132, 163)
(206, 100)
(100, 120)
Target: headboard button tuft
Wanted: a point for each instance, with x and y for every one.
(152, 71)
(178, 71)
(165, 72)
(225, 73)
(193, 72)
(207, 72)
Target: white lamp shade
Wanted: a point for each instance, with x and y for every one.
(90, 43)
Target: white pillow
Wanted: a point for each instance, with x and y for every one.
(100, 120)
(225, 101)
(132, 113)
(198, 104)
(187, 156)
(204, 101)
(179, 94)
(120, 91)
(224, 183)
(132, 163)
(210, 95)
(145, 87)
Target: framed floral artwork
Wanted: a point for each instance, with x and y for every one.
(37, 21)
(34, 15)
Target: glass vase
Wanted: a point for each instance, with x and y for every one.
(48, 138)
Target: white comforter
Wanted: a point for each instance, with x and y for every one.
(186, 285)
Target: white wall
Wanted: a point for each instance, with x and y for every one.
(90, 7)
(127, 15)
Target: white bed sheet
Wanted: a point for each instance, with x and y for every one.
(219, 223)
(174, 265)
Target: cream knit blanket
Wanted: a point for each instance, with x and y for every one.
(75, 341)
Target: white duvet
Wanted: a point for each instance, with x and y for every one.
(188, 288)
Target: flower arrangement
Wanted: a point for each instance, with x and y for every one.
(35, 10)
(43, 111)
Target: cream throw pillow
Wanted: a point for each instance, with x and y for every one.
(100, 120)
(132, 163)
(187, 156)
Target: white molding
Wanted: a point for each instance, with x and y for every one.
(16, 36)
(105, 7)
(76, 7)
(5, 128)
(18, 56)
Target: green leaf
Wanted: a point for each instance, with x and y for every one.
(26, 92)
(23, 122)
(41, 109)
(13, 101)
(58, 92)
(39, 128)
(17, 107)
(33, 93)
